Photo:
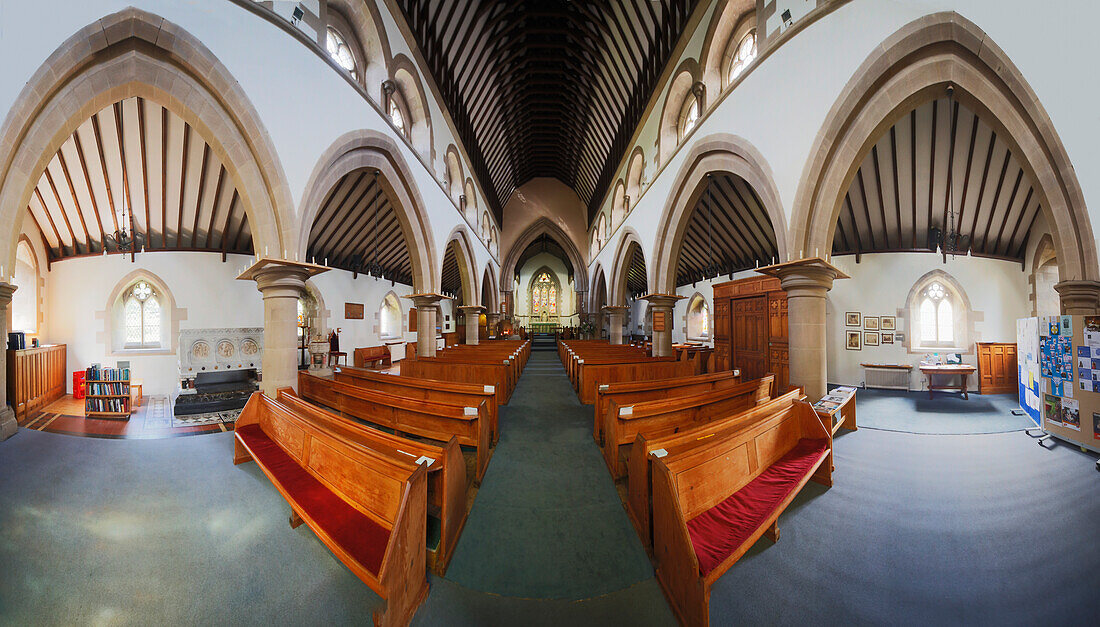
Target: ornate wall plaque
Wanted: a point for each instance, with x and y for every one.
(353, 311)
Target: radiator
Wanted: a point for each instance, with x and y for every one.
(887, 378)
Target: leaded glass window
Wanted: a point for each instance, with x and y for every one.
(142, 316)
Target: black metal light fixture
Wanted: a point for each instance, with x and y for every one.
(125, 238)
(950, 240)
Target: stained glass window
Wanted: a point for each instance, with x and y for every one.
(340, 52)
(937, 315)
(553, 301)
(142, 317)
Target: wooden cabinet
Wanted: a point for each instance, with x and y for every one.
(750, 324)
(997, 368)
(36, 378)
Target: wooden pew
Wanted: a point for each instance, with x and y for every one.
(446, 471)
(495, 375)
(751, 475)
(658, 417)
(435, 420)
(362, 357)
(629, 392)
(368, 508)
(427, 389)
(594, 373)
(639, 473)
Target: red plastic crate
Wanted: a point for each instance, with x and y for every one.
(78, 384)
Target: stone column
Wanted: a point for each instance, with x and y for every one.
(427, 312)
(491, 320)
(8, 424)
(1079, 297)
(806, 282)
(509, 305)
(472, 313)
(281, 282)
(662, 305)
(615, 317)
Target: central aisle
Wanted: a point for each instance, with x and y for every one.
(548, 523)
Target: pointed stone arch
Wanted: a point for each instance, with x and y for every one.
(372, 150)
(136, 53)
(411, 88)
(598, 293)
(490, 292)
(912, 66)
(555, 232)
(720, 152)
(466, 264)
(621, 267)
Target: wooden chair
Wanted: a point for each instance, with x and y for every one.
(714, 500)
(368, 508)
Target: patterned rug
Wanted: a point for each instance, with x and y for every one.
(208, 418)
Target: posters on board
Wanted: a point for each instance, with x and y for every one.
(1071, 414)
(1052, 409)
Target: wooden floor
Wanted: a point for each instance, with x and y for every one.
(152, 420)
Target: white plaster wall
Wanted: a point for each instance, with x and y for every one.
(880, 283)
(77, 291)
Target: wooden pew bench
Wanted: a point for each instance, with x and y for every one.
(594, 372)
(447, 485)
(435, 420)
(630, 392)
(427, 389)
(663, 416)
(639, 469)
(368, 508)
(494, 374)
(713, 501)
(371, 355)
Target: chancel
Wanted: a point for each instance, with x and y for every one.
(459, 312)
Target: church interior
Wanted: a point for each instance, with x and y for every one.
(470, 312)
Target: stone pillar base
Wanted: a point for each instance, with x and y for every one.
(427, 312)
(8, 425)
(662, 305)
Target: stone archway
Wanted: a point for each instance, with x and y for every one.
(465, 258)
(530, 234)
(912, 66)
(135, 53)
(620, 268)
(715, 153)
(372, 150)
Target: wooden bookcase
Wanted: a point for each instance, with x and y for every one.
(93, 394)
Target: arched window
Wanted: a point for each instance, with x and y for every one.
(939, 314)
(698, 319)
(689, 115)
(544, 296)
(389, 318)
(340, 52)
(601, 232)
(142, 317)
(742, 56)
(24, 303)
(396, 116)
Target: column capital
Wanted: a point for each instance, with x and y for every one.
(280, 277)
(614, 309)
(662, 301)
(6, 291)
(805, 275)
(1078, 297)
(425, 300)
(471, 308)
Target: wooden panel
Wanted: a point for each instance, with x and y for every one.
(36, 378)
(709, 483)
(997, 368)
(749, 336)
(380, 494)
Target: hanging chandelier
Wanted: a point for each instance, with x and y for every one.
(125, 238)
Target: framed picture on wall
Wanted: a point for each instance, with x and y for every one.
(852, 319)
(887, 338)
(853, 342)
(887, 323)
(870, 338)
(870, 323)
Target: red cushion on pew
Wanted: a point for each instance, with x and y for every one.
(719, 531)
(364, 539)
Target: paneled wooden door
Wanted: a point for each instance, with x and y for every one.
(749, 336)
(996, 368)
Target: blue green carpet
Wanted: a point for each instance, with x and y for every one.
(945, 413)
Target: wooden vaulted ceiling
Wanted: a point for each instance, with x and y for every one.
(357, 228)
(546, 87)
(729, 230)
(636, 282)
(544, 244)
(901, 189)
(452, 276)
(140, 155)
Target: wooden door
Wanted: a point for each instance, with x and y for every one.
(749, 336)
(996, 368)
(721, 334)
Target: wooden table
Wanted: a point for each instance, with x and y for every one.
(963, 371)
(135, 393)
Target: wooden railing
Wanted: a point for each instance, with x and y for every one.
(36, 378)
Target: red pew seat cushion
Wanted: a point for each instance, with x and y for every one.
(363, 539)
(720, 531)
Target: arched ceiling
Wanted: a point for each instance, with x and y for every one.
(901, 189)
(636, 282)
(546, 87)
(140, 155)
(729, 230)
(451, 284)
(544, 244)
(357, 228)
